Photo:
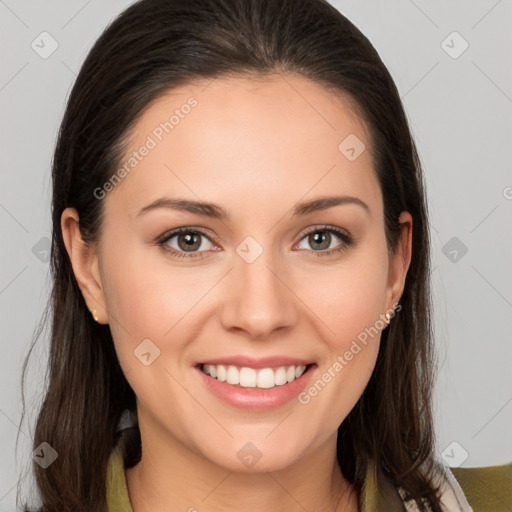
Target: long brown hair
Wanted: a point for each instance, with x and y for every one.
(152, 47)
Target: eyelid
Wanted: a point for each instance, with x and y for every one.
(186, 229)
(347, 239)
(325, 227)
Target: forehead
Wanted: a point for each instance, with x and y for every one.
(281, 137)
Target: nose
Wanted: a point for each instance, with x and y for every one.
(258, 299)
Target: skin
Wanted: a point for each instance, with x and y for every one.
(256, 148)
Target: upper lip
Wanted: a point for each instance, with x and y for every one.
(263, 362)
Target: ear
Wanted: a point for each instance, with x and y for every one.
(84, 260)
(400, 261)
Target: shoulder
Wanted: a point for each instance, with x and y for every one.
(486, 488)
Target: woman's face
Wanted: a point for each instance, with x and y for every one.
(268, 285)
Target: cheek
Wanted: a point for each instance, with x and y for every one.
(147, 299)
(347, 302)
(149, 307)
(352, 345)
(348, 299)
(147, 302)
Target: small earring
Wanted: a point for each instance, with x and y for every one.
(388, 318)
(94, 315)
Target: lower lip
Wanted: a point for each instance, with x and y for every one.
(256, 399)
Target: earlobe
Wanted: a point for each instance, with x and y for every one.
(84, 261)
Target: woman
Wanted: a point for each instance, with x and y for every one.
(240, 259)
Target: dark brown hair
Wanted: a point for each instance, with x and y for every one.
(152, 47)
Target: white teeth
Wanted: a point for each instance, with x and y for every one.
(247, 377)
(280, 376)
(264, 378)
(299, 371)
(221, 372)
(233, 375)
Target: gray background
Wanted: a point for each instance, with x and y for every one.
(459, 105)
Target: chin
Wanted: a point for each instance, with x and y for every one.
(253, 457)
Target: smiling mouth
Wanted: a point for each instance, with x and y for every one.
(262, 378)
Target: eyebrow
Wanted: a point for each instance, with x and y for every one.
(217, 212)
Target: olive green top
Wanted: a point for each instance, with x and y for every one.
(486, 489)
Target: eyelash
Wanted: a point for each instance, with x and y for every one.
(348, 241)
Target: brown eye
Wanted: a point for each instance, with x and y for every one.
(322, 240)
(185, 240)
(189, 241)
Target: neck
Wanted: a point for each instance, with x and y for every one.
(170, 477)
